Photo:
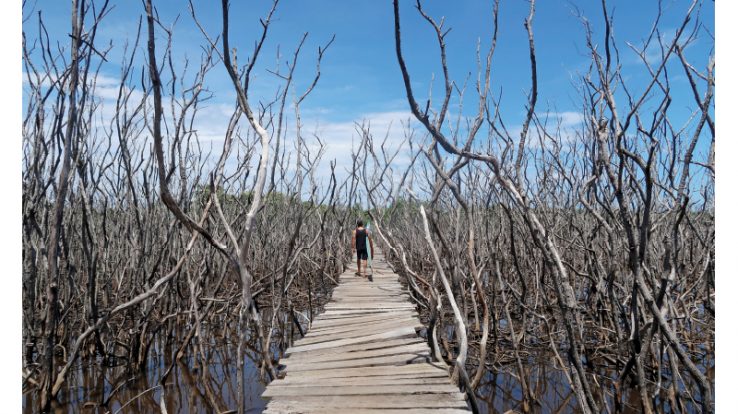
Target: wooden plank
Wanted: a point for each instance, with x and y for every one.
(400, 359)
(361, 381)
(343, 355)
(337, 323)
(424, 369)
(358, 312)
(370, 286)
(394, 358)
(369, 296)
(363, 326)
(332, 323)
(362, 347)
(389, 287)
(372, 296)
(351, 323)
(351, 275)
(353, 390)
(385, 401)
(300, 379)
(376, 277)
(348, 318)
(377, 272)
(367, 305)
(323, 410)
(355, 333)
(329, 312)
(396, 333)
(366, 285)
(343, 315)
(378, 280)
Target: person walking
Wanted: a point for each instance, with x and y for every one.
(359, 239)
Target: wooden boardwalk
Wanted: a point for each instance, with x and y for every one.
(363, 355)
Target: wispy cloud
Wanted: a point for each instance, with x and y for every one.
(655, 50)
(326, 131)
(341, 139)
(563, 125)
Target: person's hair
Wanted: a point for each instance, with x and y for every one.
(359, 223)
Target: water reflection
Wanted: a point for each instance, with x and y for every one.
(97, 388)
(500, 390)
(195, 387)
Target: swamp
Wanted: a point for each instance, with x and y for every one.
(187, 213)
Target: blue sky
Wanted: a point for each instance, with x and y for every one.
(360, 75)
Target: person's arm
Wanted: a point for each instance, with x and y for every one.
(371, 245)
(353, 241)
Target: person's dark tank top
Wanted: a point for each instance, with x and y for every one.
(360, 239)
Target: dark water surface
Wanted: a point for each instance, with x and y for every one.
(94, 387)
(91, 384)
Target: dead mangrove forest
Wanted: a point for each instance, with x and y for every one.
(555, 269)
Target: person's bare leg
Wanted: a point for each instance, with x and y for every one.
(358, 264)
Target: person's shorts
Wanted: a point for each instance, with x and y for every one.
(361, 255)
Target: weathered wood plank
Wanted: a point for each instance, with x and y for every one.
(396, 333)
(364, 390)
(332, 323)
(368, 306)
(364, 285)
(385, 304)
(366, 327)
(408, 379)
(424, 369)
(371, 296)
(352, 332)
(350, 323)
(323, 410)
(346, 313)
(341, 354)
(377, 282)
(362, 347)
(384, 401)
(400, 359)
(370, 293)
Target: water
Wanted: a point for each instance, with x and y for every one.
(94, 387)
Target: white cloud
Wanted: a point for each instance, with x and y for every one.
(342, 138)
(652, 51)
(319, 125)
(569, 119)
(563, 125)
